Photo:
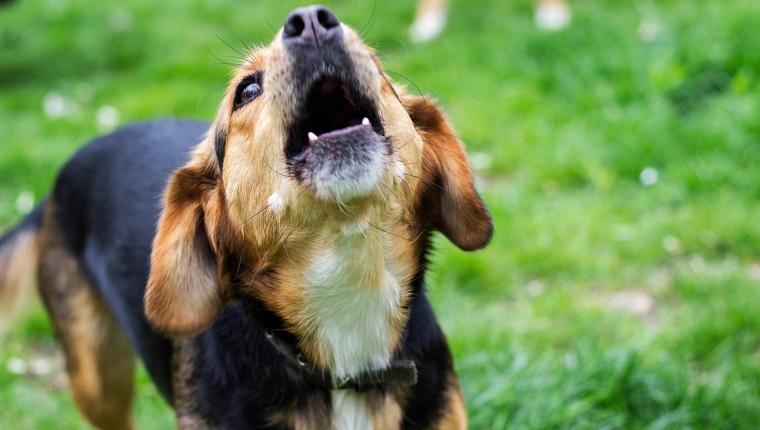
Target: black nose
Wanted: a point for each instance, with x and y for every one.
(311, 24)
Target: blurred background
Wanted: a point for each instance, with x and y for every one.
(620, 158)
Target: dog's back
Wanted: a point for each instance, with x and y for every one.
(94, 236)
(106, 204)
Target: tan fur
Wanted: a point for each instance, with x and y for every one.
(447, 184)
(18, 266)
(455, 417)
(387, 413)
(183, 258)
(316, 415)
(100, 361)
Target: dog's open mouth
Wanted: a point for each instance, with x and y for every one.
(332, 114)
(337, 145)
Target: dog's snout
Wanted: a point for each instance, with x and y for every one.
(312, 24)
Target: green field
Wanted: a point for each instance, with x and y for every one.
(620, 159)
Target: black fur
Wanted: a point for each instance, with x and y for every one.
(220, 145)
(107, 202)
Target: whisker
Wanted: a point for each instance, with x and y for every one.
(386, 231)
(398, 41)
(284, 175)
(248, 47)
(405, 143)
(389, 189)
(282, 240)
(223, 217)
(425, 180)
(219, 87)
(428, 158)
(240, 264)
(437, 146)
(380, 190)
(266, 230)
(342, 206)
(242, 56)
(254, 215)
(419, 91)
(367, 27)
(266, 18)
(406, 184)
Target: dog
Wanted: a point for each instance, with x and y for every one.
(430, 18)
(268, 269)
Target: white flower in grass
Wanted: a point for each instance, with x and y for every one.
(648, 31)
(54, 105)
(754, 271)
(108, 117)
(698, 264)
(24, 202)
(41, 366)
(649, 176)
(637, 303)
(120, 20)
(535, 288)
(16, 366)
(671, 244)
(552, 15)
(480, 161)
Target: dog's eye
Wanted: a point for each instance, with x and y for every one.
(248, 89)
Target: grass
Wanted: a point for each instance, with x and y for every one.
(620, 160)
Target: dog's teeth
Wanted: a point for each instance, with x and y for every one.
(365, 121)
(312, 137)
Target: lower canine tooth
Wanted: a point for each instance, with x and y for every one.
(365, 121)
(312, 136)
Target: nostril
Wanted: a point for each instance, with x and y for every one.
(327, 19)
(294, 26)
(310, 25)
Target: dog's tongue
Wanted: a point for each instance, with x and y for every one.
(343, 138)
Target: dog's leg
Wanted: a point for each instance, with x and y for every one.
(99, 359)
(455, 417)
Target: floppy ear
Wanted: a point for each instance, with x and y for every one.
(183, 296)
(447, 182)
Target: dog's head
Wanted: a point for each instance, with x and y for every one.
(313, 153)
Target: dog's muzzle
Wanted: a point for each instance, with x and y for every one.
(335, 139)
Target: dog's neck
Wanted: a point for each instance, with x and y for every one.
(352, 312)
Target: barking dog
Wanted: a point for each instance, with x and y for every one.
(282, 286)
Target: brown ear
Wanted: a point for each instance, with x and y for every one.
(183, 296)
(461, 214)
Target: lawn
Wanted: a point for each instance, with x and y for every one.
(620, 159)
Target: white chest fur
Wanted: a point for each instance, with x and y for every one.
(350, 411)
(352, 304)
